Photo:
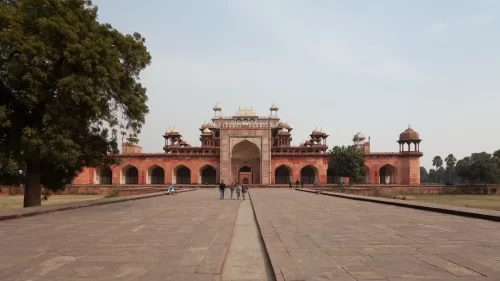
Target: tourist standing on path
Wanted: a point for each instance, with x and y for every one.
(238, 191)
(244, 190)
(297, 183)
(222, 188)
(232, 187)
(290, 185)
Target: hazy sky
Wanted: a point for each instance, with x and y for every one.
(374, 66)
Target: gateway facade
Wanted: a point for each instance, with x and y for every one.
(255, 150)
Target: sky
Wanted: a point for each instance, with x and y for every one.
(344, 66)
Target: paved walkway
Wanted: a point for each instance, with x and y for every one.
(316, 237)
(188, 236)
(182, 237)
(246, 259)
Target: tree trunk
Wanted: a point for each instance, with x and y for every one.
(33, 188)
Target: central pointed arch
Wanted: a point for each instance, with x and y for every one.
(245, 169)
(283, 174)
(245, 153)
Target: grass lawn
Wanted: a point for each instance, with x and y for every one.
(16, 202)
(488, 202)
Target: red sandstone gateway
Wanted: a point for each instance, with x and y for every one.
(253, 150)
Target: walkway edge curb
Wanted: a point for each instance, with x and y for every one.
(277, 275)
(457, 211)
(21, 213)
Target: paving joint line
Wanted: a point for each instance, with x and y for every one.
(261, 238)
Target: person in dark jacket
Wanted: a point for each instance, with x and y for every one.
(222, 188)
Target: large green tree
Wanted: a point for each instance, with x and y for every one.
(347, 162)
(480, 168)
(68, 85)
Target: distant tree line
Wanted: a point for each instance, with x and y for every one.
(478, 168)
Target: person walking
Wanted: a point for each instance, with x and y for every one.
(244, 190)
(297, 183)
(232, 187)
(238, 191)
(290, 185)
(222, 188)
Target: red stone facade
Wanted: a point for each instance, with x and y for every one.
(255, 150)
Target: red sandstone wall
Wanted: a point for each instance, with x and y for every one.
(414, 164)
(86, 177)
(375, 163)
(408, 169)
(144, 163)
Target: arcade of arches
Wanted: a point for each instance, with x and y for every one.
(246, 165)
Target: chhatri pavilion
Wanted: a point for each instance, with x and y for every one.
(254, 150)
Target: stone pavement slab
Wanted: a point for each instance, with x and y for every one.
(445, 209)
(316, 237)
(33, 211)
(183, 237)
(246, 259)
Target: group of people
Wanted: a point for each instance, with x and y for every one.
(297, 183)
(241, 191)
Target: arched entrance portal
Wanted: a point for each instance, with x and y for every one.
(282, 175)
(156, 175)
(245, 163)
(245, 175)
(182, 175)
(208, 175)
(104, 175)
(130, 175)
(309, 175)
(388, 174)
